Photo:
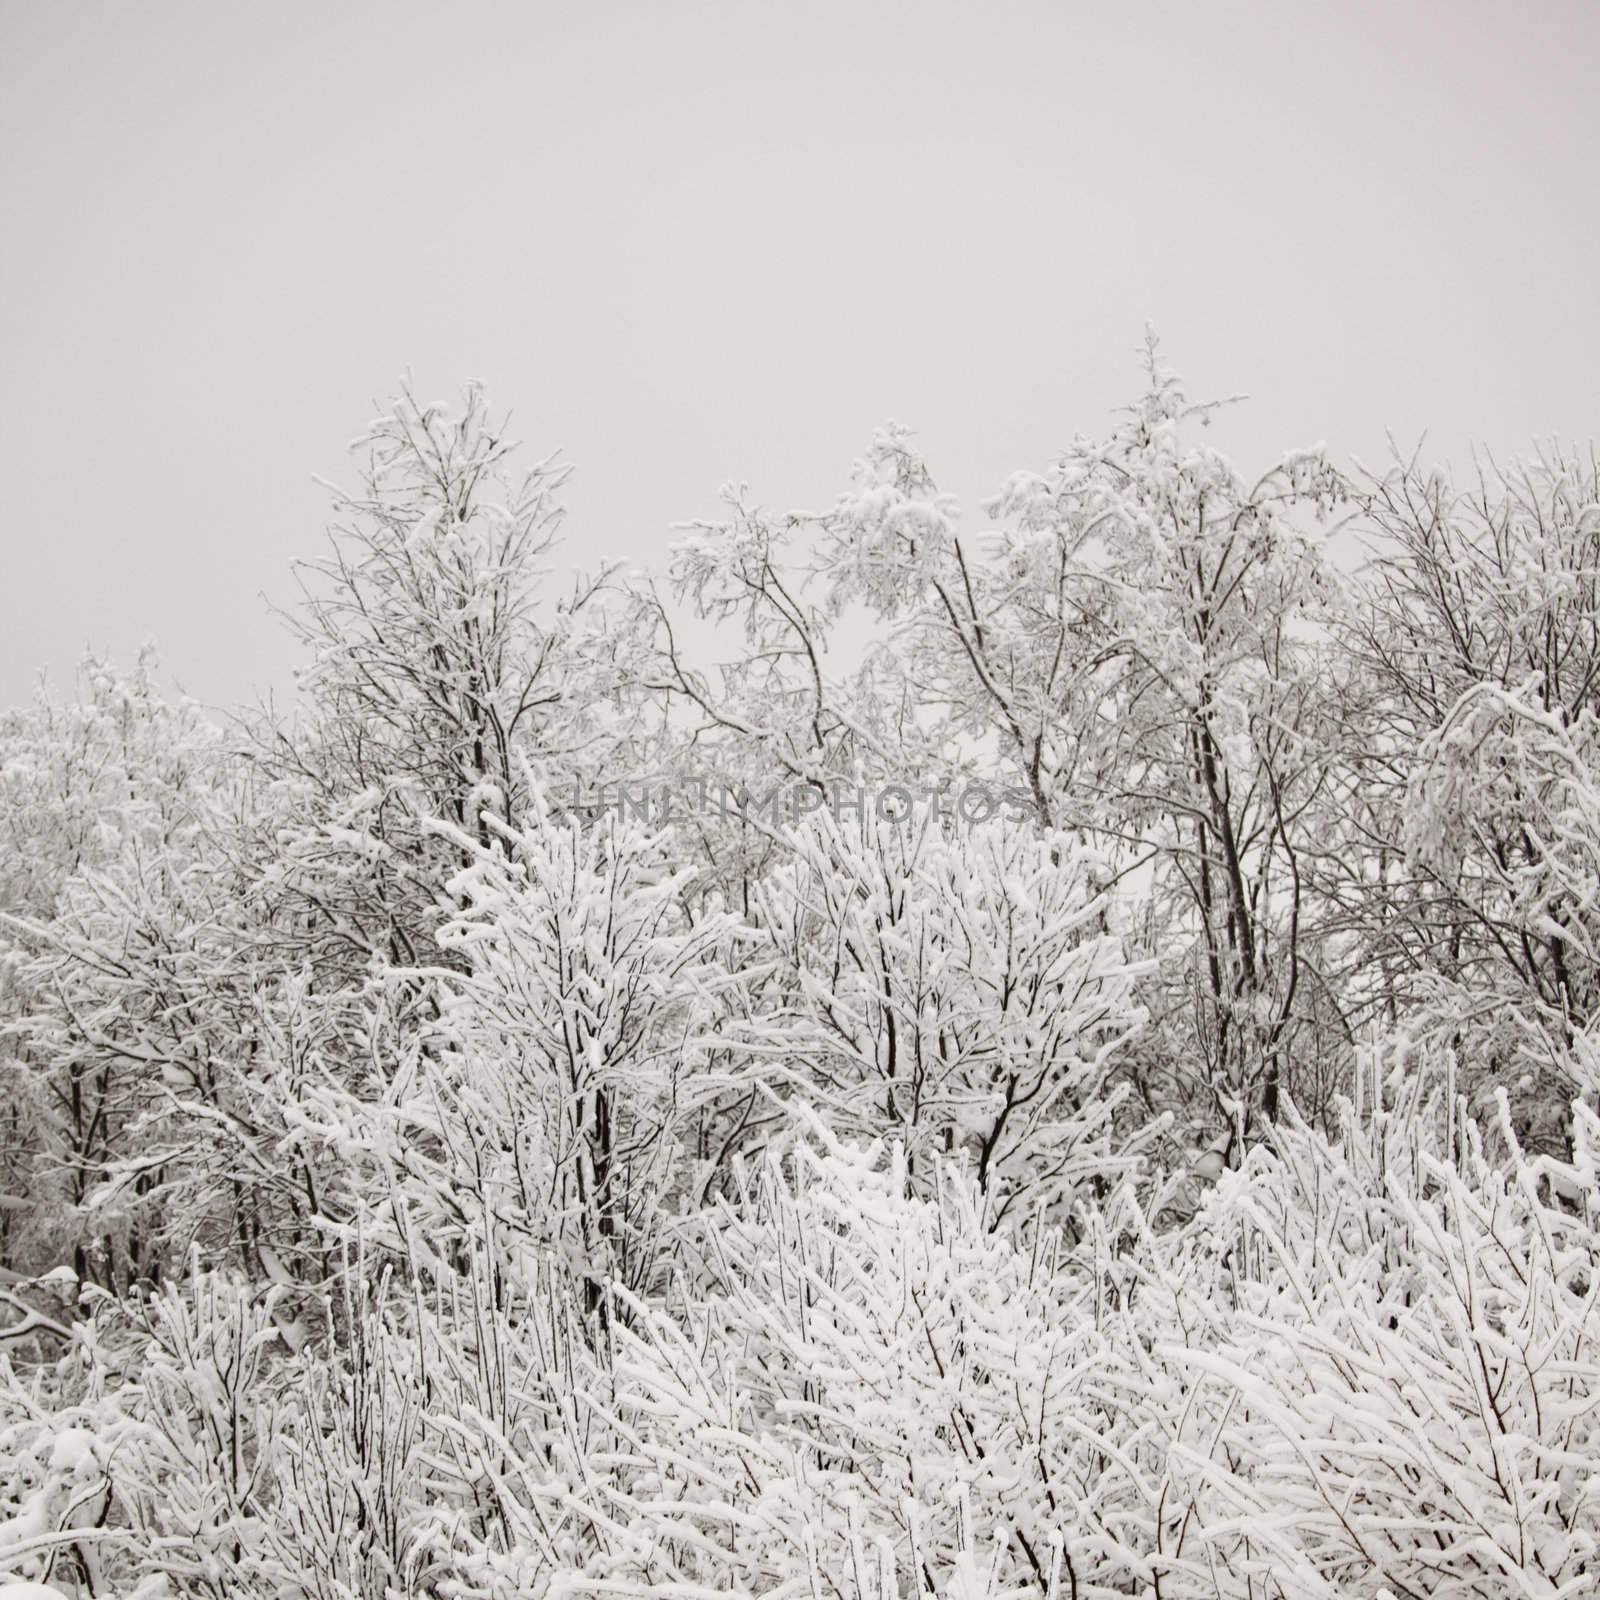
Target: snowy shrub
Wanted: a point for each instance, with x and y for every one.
(1412, 1372)
(54, 1484)
(878, 1393)
(196, 1483)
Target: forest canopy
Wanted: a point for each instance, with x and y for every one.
(1094, 1094)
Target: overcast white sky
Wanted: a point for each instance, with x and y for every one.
(694, 242)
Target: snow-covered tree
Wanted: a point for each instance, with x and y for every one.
(1476, 639)
(436, 670)
(111, 941)
(954, 988)
(549, 1107)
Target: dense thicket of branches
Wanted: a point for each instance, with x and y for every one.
(1094, 1097)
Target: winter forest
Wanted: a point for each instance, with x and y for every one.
(1044, 1053)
